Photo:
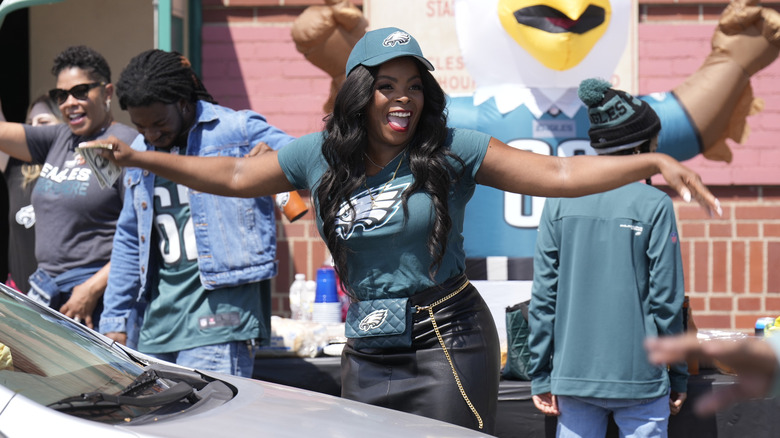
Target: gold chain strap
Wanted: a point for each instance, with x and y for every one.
(429, 308)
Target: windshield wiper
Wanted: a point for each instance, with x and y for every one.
(143, 379)
(101, 399)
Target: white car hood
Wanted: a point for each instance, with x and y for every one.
(259, 409)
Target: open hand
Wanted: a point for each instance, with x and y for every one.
(547, 403)
(753, 359)
(688, 184)
(80, 305)
(676, 400)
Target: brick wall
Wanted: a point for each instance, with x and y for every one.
(250, 61)
(732, 264)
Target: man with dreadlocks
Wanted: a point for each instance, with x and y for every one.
(202, 262)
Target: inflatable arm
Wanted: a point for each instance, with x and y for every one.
(325, 35)
(718, 96)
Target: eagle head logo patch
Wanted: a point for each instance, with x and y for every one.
(396, 37)
(373, 320)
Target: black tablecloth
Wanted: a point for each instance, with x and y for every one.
(517, 416)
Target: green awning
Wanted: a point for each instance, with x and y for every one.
(9, 6)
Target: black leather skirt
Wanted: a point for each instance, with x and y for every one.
(420, 379)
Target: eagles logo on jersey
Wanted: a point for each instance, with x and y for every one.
(360, 213)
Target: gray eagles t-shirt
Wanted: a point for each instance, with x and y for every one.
(75, 218)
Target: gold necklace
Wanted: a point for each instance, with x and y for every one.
(370, 195)
(391, 160)
(372, 162)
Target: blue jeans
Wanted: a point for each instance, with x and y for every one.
(636, 418)
(236, 358)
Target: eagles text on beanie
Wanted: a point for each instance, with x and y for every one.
(618, 120)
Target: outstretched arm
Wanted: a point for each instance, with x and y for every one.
(515, 170)
(718, 96)
(246, 177)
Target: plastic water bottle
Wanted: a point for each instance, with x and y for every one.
(297, 290)
(327, 306)
(307, 300)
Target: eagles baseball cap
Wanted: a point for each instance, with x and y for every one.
(381, 45)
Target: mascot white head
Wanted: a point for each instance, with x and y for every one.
(550, 45)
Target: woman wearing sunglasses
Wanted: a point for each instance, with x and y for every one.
(75, 218)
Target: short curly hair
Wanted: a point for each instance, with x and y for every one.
(84, 58)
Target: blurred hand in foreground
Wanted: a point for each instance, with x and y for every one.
(753, 360)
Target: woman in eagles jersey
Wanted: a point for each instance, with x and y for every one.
(390, 183)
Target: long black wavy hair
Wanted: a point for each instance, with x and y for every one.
(159, 76)
(346, 139)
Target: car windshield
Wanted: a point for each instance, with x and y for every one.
(47, 357)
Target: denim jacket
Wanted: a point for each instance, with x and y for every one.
(236, 237)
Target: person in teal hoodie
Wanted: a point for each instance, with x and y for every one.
(608, 274)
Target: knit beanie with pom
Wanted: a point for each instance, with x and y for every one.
(618, 120)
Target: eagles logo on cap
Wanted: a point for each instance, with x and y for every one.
(396, 38)
(381, 45)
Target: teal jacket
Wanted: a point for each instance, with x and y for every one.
(607, 274)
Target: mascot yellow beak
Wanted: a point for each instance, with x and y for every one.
(557, 33)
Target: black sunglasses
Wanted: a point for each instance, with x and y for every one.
(80, 92)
